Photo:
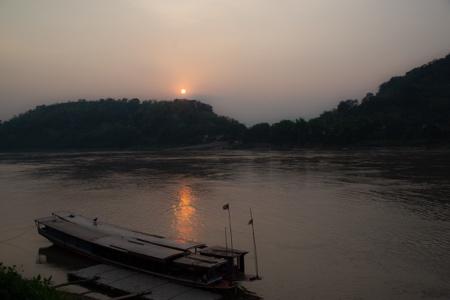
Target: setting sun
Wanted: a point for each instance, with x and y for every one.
(183, 91)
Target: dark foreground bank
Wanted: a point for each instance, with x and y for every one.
(14, 287)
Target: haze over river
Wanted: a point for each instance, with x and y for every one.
(348, 224)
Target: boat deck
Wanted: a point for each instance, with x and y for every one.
(136, 283)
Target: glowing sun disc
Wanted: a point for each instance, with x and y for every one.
(183, 91)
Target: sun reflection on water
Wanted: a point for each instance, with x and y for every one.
(184, 222)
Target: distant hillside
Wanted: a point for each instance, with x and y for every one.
(414, 108)
(117, 124)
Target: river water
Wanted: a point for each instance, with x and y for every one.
(347, 224)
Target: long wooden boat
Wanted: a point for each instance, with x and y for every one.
(185, 262)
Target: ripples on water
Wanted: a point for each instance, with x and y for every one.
(372, 224)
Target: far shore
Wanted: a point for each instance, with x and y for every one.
(257, 147)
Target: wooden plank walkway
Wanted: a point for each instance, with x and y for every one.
(133, 282)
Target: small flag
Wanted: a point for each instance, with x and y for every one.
(226, 206)
(250, 222)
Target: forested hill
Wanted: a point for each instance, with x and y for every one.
(109, 123)
(412, 109)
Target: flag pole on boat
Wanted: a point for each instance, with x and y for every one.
(226, 241)
(227, 207)
(254, 244)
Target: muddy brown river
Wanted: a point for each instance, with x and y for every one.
(347, 224)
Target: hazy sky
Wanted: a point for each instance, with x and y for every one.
(254, 60)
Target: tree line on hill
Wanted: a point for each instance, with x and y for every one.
(109, 123)
(414, 108)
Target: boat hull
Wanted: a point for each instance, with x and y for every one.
(88, 250)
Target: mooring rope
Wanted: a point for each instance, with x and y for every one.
(23, 232)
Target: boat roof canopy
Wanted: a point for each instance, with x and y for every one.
(72, 229)
(219, 251)
(130, 246)
(108, 229)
